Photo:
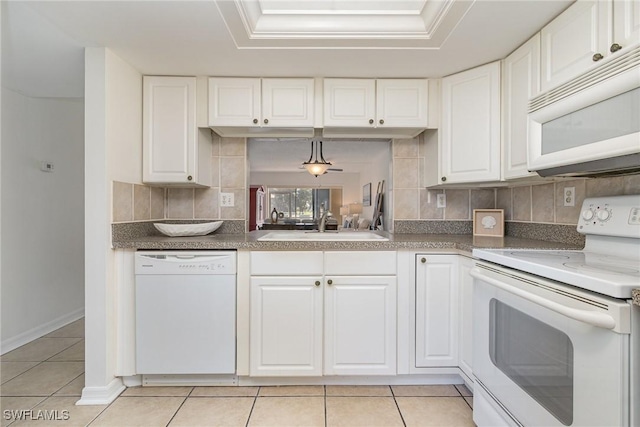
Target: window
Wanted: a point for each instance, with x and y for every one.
(299, 203)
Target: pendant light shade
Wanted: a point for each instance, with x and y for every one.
(314, 166)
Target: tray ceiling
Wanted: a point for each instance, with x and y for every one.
(342, 23)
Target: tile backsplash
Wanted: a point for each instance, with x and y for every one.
(541, 203)
(136, 202)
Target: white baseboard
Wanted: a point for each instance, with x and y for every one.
(39, 331)
(101, 395)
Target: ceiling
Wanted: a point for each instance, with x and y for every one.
(43, 41)
(288, 154)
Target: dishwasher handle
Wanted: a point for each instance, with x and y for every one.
(593, 318)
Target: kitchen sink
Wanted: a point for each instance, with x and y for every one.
(353, 236)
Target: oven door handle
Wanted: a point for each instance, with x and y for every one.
(593, 318)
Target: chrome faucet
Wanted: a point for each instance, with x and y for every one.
(323, 221)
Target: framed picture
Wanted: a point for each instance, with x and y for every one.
(366, 195)
(488, 222)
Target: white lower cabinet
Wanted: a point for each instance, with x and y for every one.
(286, 326)
(360, 325)
(354, 312)
(436, 308)
(466, 316)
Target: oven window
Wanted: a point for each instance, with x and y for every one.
(536, 356)
(611, 118)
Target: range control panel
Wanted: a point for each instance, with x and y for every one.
(611, 216)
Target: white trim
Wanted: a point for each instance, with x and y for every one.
(253, 28)
(40, 331)
(435, 376)
(101, 395)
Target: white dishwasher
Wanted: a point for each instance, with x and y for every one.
(185, 312)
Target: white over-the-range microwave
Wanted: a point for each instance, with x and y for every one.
(590, 125)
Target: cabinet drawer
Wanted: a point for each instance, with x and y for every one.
(360, 263)
(289, 263)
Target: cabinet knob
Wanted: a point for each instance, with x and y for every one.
(423, 260)
(381, 121)
(370, 121)
(597, 57)
(329, 282)
(615, 47)
(317, 282)
(266, 121)
(443, 179)
(189, 178)
(255, 121)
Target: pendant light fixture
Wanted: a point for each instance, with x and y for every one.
(316, 167)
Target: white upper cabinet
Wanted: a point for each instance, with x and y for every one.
(380, 105)
(349, 102)
(626, 23)
(469, 146)
(174, 151)
(583, 35)
(244, 106)
(520, 82)
(234, 102)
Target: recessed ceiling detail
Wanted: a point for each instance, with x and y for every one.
(346, 24)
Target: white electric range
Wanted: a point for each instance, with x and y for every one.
(556, 338)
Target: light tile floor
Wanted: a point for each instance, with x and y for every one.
(46, 377)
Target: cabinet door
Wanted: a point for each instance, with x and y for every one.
(234, 101)
(520, 82)
(349, 102)
(287, 102)
(570, 41)
(436, 310)
(169, 129)
(626, 23)
(470, 140)
(402, 103)
(360, 325)
(286, 326)
(466, 315)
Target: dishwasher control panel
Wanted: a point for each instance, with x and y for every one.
(185, 262)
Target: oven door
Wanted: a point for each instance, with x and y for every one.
(549, 354)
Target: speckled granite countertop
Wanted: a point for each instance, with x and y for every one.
(250, 241)
(635, 294)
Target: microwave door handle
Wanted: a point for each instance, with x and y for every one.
(592, 318)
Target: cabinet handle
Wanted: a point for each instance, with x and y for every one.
(266, 121)
(317, 283)
(189, 178)
(443, 179)
(597, 57)
(381, 121)
(255, 121)
(423, 260)
(615, 47)
(370, 121)
(329, 282)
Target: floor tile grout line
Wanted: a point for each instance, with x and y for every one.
(326, 420)
(255, 399)
(398, 407)
(177, 410)
(36, 364)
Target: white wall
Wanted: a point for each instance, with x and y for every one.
(42, 281)
(113, 115)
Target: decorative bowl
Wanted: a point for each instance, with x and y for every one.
(183, 230)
